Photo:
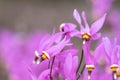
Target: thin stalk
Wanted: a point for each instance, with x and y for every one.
(51, 78)
(79, 74)
(80, 63)
(49, 64)
(83, 69)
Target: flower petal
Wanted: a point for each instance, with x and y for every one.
(97, 25)
(96, 36)
(76, 15)
(85, 21)
(75, 65)
(54, 50)
(67, 27)
(100, 55)
(74, 33)
(44, 75)
(88, 57)
(68, 65)
(107, 46)
(114, 57)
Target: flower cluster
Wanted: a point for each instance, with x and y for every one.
(56, 57)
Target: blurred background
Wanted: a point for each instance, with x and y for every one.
(27, 16)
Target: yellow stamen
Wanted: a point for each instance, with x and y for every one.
(118, 73)
(89, 68)
(114, 67)
(86, 36)
(45, 55)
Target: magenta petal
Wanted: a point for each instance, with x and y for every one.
(77, 16)
(57, 48)
(96, 36)
(85, 21)
(74, 33)
(96, 26)
(32, 74)
(67, 27)
(75, 65)
(43, 42)
(114, 57)
(100, 55)
(107, 46)
(59, 37)
(44, 75)
(88, 56)
(68, 65)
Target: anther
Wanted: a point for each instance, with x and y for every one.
(86, 37)
(90, 69)
(114, 68)
(45, 55)
(37, 58)
(40, 58)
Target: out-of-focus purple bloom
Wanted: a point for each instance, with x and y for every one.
(100, 7)
(101, 64)
(112, 50)
(17, 54)
(88, 33)
(70, 67)
(113, 53)
(114, 21)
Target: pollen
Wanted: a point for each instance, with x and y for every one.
(89, 67)
(114, 67)
(37, 58)
(86, 36)
(45, 55)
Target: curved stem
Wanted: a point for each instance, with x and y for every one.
(80, 63)
(83, 69)
(51, 78)
(79, 74)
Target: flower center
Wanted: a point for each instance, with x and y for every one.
(86, 36)
(40, 58)
(114, 67)
(89, 68)
(45, 55)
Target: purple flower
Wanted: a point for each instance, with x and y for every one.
(17, 54)
(112, 51)
(47, 49)
(68, 29)
(70, 67)
(99, 61)
(99, 7)
(88, 33)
